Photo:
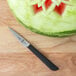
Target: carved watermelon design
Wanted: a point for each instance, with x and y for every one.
(59, 9)
(55, 18)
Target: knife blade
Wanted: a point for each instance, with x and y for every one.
(25, 43)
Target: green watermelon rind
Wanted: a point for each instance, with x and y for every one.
(56, 34)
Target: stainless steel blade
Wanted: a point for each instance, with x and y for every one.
(24, 42)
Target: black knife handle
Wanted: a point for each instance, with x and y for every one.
(43, 58)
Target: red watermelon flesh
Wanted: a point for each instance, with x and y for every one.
(58, 9)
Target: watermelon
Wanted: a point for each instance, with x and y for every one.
(56, 18)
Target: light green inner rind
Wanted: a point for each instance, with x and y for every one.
(49, 24)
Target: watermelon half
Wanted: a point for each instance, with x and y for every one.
(47, 17)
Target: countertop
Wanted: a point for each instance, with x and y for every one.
(21, 62)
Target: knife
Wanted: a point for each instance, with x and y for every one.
(25, 43)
